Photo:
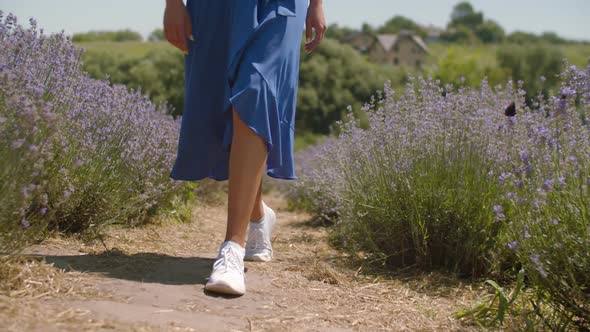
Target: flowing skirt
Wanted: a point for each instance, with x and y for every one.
(245, 54)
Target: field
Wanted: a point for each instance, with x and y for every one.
(576, 54)
(440, 202)
(125, 49)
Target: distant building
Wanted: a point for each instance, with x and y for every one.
(404, 48)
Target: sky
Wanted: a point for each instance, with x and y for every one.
(568, 18)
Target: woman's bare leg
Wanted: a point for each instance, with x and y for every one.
(258, 210)
(247, 164)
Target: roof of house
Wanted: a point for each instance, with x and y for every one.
(387, 41)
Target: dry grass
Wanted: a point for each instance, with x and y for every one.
(323, 272)
(313, 285)
(33, 278)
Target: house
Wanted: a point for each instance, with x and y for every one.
(404, 48)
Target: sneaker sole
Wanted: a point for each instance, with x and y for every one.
(224, 288)
(258, 258)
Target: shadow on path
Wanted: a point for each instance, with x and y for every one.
(144, 267)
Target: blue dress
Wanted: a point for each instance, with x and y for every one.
(245, 53)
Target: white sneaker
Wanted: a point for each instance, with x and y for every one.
(258, 247)
(228, 270)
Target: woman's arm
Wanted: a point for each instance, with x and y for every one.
(177, 24)
(315, 24)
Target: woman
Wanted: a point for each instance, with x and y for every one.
(241, 75)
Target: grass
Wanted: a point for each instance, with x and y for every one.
(125, 49)
(576, 54)
(306, 139)
(486, 54)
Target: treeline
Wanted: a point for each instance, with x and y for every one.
(116, 36)
(466, 26)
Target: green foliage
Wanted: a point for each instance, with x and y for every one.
(464, 15)
(529, 63)
(493, 308)
(577, 54)
(332, 79)
(490, 32)
(123, 50)
(553, 38)
(462, 66)
(459, 34)
(116, 36)
(367, 28)
(398, 23)
(306, 139)
(159, 73)
(345, 77)
(521, 37)
(525, 308)
(157, 35)
(334, 31)
(436, 216)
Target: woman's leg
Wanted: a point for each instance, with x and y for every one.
(258, 210)
(247, 164)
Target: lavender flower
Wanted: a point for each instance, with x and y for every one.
(70, 136)
(513, 245)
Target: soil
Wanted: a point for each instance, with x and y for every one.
(151, 278)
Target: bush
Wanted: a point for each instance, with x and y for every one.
(538, 65)
(444, 179)
(76, 153)
(335, 77)
(159, 74)
(462, 67)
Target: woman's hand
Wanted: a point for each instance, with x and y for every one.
(315, 25)
(177, 24)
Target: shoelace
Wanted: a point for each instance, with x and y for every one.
(229, 259)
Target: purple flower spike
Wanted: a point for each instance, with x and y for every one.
(513, 245)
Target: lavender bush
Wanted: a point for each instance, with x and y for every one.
(76, 153)
(445, 177)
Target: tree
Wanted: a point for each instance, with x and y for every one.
(464, 14)
(490, 32)
(553, 38)
(345, 78)
(521, 37)
(397, 23)
(367, 28)
(336, 32)
(156, 35)
(459, 34)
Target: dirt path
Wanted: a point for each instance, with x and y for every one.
(152, 279)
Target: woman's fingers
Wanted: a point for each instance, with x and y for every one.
(180, 37)
(175, 25)
(315, 24)
(188, 27)
(319, 31)
(308, 33)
